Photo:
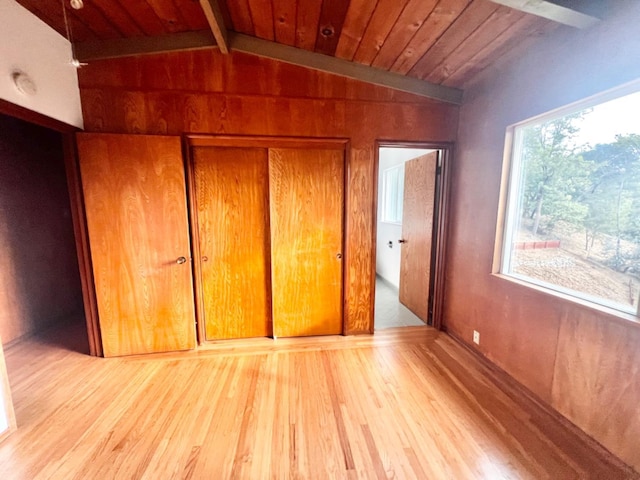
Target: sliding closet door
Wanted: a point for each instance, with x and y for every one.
(231, 197)
(134, 193)
(306, 204)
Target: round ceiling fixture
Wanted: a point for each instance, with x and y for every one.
(23, 83)
(76, 4)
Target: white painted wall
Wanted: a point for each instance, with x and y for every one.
(29, 45)
(388, 259)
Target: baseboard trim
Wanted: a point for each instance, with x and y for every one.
(386, 282)
(509, 384)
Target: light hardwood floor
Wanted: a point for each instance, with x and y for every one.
(405, 403)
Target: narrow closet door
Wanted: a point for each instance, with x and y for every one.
(306, 204)
(136, 207)
(231, 193)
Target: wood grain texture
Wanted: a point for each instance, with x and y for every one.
(231, 193)
(495, 26)
(134, 191)
(358, 17)
(332, 17)
(241, 16)
(284, 19)
(7, 412)
(469, 20)
(262, 17)
(382, 21)
(307, 20)
(584, 357)
(417, 231)
(154, 95)
(407, 403)
(306, 195)
(441, 18)
(415, 13)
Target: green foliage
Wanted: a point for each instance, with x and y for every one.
(596, 190)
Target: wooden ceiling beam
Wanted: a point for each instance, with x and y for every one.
(126, 47)
(214, 16)
(567, 12)
(337, 66)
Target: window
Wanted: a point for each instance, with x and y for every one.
(573, 210)
(392, 192)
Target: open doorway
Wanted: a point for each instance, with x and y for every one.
(39, 272)
(410, 186)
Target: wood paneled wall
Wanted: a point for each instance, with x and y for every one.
(207, 92)
(582, 362)
(39, 279)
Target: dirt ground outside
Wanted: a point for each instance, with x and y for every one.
(569, 267)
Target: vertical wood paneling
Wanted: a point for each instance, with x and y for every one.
(262, 16)
(413, 16)
(496, 24)
(467, 23)
(588, 357)
(308, 17)
(332, 17)
(358, 17)
(241, 16)
(441, 18)
(381, 23)
(284, 19)
(134, 191)
(231, 194)
(281, 100)
(417, 232)
(144, 16)
(306, 203)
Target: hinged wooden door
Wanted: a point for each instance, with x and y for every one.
(134, 192)
(417, 233)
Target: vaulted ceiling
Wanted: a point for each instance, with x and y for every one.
(443, 42)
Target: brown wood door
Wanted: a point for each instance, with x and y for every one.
(417, 231)
(306, 204)
(134, 192)
(231, 196)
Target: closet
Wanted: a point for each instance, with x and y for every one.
(267, 222)
(263, 215)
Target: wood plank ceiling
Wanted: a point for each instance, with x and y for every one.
(445, 42)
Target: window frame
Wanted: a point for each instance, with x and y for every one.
(511, 202)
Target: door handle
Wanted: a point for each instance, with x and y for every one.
(402, 240)
(338, 256)
(181, 260)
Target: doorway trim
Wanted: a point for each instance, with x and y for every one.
(440, 223)
(77, 213)
(193, 140)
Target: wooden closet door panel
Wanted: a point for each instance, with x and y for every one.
(306, 204)
(231, 191)
(417, 231)
(134, 192)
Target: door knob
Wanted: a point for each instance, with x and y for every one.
(181, 260)
(402, 240)
(338, 256)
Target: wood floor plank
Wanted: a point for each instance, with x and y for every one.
(408, 403)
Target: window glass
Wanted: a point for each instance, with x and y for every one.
(573, 215)
(392, 193)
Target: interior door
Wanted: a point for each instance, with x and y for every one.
(231, 193)
(135, 198)
(417, 233)
(306, 205)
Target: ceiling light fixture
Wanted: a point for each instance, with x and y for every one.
(76, 4)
